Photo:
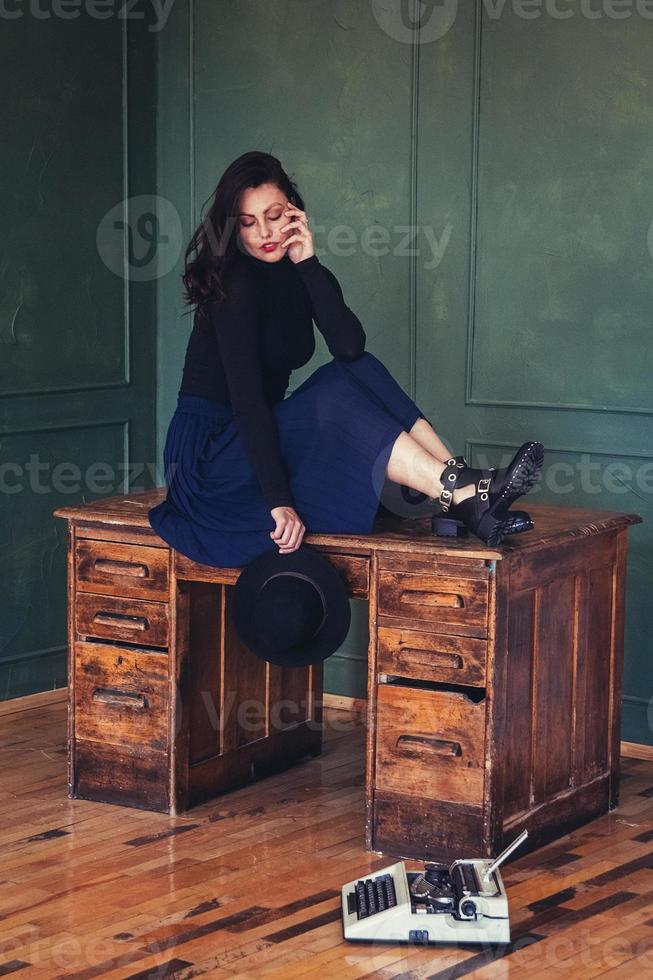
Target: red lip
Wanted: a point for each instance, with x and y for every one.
(268, 246)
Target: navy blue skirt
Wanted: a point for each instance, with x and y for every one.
(336, 432)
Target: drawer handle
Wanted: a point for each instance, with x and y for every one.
(112, 566)
(439, 745)
(449, 599)
(436, 659)
(107, 618)
(125, 699)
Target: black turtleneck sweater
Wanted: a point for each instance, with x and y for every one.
(243, 352)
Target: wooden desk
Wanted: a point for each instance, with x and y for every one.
(494, 690)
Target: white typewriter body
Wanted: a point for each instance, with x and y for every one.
(465, 902)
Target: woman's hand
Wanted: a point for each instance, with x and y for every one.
(289, 530)
(300, 244)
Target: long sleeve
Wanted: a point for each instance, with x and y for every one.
(236, 324)
(339, 325)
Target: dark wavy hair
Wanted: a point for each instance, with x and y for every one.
(207, 258)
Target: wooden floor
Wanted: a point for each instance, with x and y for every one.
(249, 884)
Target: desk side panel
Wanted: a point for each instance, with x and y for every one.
(560, 679)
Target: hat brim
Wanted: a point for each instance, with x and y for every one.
(310, 562)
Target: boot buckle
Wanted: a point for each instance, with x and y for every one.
(484, 487)
(445, 499)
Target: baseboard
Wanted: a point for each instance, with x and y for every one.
(635, 750)
(39, 700)
(337, 702)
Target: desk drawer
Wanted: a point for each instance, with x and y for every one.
(111, 568)
(355, 571)
(430, 744)
(441, 603)
(431, 656)
(115, 618)
(121, 696)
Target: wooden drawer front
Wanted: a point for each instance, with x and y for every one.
(431, 656)
(443, 604)
(114, 618)
(121, 569)
(355, 572)
(462, 565)
(121, 696)
(430, 744)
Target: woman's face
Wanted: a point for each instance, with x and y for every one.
(260, 218)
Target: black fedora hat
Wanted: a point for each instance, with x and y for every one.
(291, 609)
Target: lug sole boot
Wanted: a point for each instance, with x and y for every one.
(485, 512)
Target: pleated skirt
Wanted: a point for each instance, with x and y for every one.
(336, 433)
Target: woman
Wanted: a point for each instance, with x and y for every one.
(245, 466)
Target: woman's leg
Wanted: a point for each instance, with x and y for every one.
(372, 375)
(424, 433)
(413, 466)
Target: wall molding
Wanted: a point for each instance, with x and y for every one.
(473, 207)
(125, 381)
(413, 216)
(567, 406)
(558, 449)
(470, 399)
(91, 424)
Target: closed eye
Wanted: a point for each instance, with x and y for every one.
(251, 224)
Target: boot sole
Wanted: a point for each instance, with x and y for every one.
(525, 471)
(453, 527)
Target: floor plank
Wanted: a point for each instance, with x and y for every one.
(248, 884)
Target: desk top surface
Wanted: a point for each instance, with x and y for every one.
(390, 533)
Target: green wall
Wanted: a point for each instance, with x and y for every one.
(519, 150)
(77, 340)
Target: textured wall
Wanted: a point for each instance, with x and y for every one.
(77, 343)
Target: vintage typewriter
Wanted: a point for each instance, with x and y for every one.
(464, 902)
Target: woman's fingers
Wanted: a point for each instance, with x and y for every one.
(294, 539)
(292, 238)
(290, 535)
(284, 531)
(295, 223)
(289, 529)
(287, 533)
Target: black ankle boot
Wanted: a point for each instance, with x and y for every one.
(449, 527)
(485, 512)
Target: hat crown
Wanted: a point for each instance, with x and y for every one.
(289, 611)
